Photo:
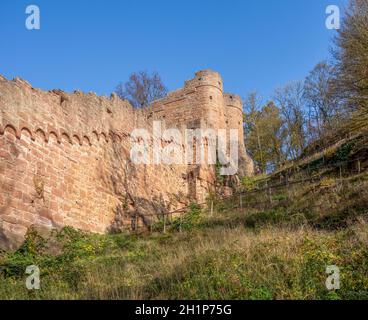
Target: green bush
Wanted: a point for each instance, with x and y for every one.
(189, 220)
(33, 245)
(249, 183)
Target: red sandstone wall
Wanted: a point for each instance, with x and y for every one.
(234, 120)
(64, 160)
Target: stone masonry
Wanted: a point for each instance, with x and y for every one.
(65, 158)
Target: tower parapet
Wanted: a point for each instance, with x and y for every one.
(206, 78)
(233, 101)
(198, 104)
(234, 113)
(234, 120)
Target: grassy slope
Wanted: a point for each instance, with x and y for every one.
(275, 250)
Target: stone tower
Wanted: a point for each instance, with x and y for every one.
(201, 103)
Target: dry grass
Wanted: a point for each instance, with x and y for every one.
(258, 253)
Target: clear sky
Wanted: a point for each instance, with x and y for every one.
(91, 45)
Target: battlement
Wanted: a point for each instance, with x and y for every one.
(233, 100)
(206, 78)
(80, 115)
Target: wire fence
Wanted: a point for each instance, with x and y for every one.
(334, 144)
(286, 179)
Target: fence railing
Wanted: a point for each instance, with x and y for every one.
(264, 185)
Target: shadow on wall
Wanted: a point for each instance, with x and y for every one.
(5, 242)
(12, 170)
(133, 209)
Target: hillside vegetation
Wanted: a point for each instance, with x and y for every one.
(274, 247)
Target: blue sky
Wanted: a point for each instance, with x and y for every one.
(92, 45)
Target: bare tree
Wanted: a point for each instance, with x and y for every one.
(252, 105)
(142, 89)
(352, 52)
(290, 100)
(351, 55)
(323, 104)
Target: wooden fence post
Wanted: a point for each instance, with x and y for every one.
(211, 209)
(180, 218)
(164, 223)
(287, 185)
(270, 194)
(308, 172)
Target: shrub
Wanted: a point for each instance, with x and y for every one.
(190, 219)
(249, 183)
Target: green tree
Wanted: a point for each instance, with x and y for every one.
(265, 133)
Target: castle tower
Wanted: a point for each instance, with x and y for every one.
(203, 104)
(234, 120)
(209, 99)
(234, 116)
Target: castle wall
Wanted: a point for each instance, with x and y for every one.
(65, 158)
